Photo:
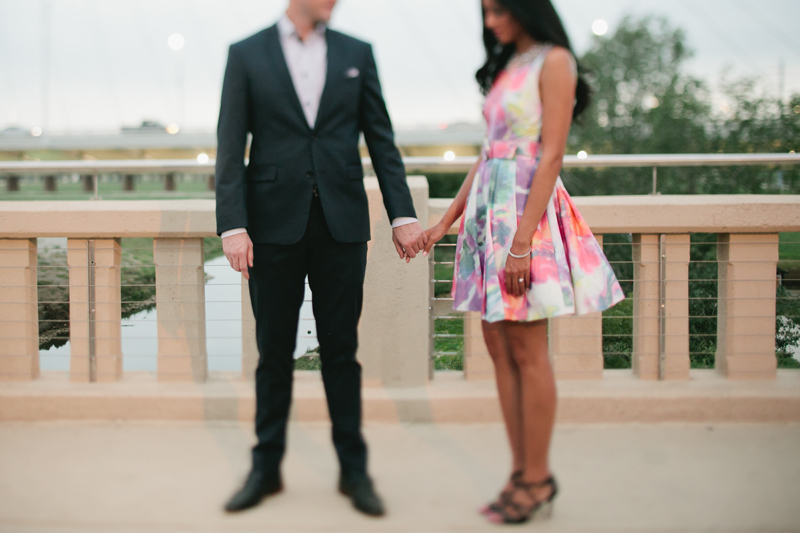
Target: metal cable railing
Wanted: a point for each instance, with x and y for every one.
(456, 336)
(136, 328)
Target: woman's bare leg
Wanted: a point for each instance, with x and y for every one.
(507, 376)
(528, 345)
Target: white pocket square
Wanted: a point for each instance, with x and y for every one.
(352, 73)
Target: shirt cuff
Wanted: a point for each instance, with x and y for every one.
(402, 221)
(233, 232)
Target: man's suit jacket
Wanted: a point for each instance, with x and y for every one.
(271, 196)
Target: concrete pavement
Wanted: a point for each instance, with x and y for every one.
(60, 477)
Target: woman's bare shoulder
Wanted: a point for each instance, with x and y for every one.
(560, 60)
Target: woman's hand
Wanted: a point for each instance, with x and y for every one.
(518, 273)
(435, 234)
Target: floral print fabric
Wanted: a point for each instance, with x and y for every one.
(569, 272)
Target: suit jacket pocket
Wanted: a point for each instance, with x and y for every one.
(355, 172)
(263, 173)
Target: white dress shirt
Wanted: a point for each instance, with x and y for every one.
(308, 66)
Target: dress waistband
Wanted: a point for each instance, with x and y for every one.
(509, 149)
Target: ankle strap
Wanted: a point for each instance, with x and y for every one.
(536, 484)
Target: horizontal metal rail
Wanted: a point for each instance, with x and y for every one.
(430, 164)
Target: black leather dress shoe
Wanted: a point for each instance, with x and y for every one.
(360, 490)
(257, 486)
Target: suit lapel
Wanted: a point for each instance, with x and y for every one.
(333, 76)
(281, 69)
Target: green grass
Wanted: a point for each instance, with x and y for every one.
(212, 248)
(789, 257)
(789, 249)
(785, 360)
(53, 296)
(138, 276)
(788, 306)
(455, 345)
(454, 359)
(308, 362)
(444, 254)
(618, 335)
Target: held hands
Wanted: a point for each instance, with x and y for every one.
(409, 240)
(239, 251)
(435, 234)
(518, 271)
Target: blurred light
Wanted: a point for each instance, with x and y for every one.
(202, 159)
(599, 27)
(797, 109)
(449, 156)
(443, 126)
(173, 128)
(582, 155)
(651, 102)
(724, 107)
(176, 41)
(36, 131)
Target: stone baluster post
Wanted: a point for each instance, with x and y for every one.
(746, 310)
(180, 306)
(19, 320)
(478, 363)
(674, 348)
(645, 306)
(95, 330)
(394, 328)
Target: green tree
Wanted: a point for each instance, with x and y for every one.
(644, 103)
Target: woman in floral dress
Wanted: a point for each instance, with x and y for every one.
(524, 253)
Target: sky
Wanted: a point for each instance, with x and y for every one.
(109, 64)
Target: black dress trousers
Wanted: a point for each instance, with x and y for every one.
(277, 287)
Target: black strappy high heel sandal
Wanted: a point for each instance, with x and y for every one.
(517, 513)
(497, 505)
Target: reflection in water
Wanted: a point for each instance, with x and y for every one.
(223, 295)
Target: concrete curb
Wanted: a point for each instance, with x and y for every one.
(618, 398)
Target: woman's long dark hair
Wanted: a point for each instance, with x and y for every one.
(541, 21)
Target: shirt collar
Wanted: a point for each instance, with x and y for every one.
(286, 27)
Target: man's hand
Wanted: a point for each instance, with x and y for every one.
(409, 240)
(239, 251)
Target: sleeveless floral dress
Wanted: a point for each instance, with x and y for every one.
(569, 272)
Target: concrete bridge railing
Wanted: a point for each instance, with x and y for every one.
(395, 330)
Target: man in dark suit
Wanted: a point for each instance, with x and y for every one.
(299, 209)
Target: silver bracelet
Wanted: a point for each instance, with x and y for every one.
(519, 256)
